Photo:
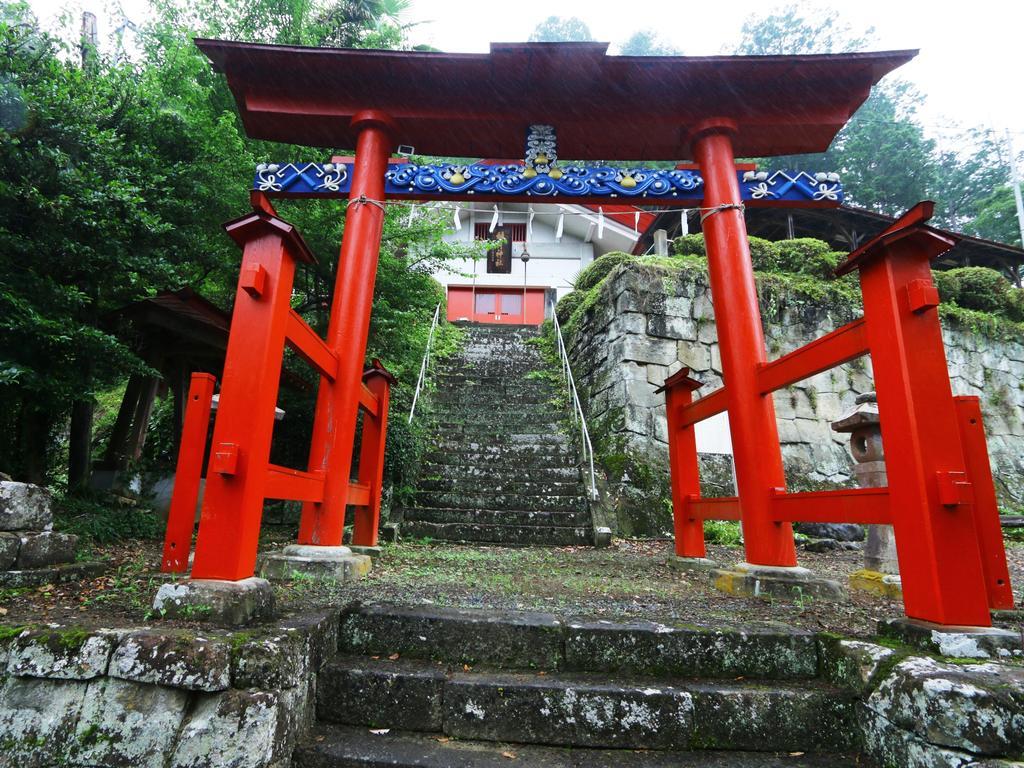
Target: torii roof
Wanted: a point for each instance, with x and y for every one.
(603, 107)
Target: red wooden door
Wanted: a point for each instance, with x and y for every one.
(499, 307)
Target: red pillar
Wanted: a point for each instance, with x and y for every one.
(181, 518)
(755, 436)
(334, 426)
(684, 468)
(371, 459)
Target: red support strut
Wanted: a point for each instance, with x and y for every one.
(371, 456)
(181, 518)
(986, 508)
(240, 476)
(683, 467)
(236, 479)
(930, 492)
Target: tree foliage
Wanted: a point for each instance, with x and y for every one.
(561, 29)
(886, 158)
(115, 181)
(788, 31)
(646, 42)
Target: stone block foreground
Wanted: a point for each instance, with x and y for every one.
(376, 685)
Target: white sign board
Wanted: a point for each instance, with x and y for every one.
(713, 435)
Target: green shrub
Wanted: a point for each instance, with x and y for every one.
(568, 303)
(980, 288)
(1015, 304)
(794, 255)
(764, 254)
(725, 532)
(808, 256)
(689, 245)
(948, 284)
(599, 269)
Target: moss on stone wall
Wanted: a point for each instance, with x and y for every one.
(630, 297)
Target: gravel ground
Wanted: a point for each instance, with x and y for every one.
(627, 580)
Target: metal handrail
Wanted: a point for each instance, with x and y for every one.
(426, 360)
(577, 413)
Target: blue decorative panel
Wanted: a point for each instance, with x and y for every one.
(458, 182)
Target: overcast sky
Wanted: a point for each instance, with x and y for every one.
(969, 69)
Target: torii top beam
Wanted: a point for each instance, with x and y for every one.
(605, 107)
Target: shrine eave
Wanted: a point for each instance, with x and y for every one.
(603, 107)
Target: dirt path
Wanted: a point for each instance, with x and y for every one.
(628, 580)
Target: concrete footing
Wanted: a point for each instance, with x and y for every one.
(373, 552)
(701, 564)
(877, 583)
(789, 583)
(338, 564)
(226, 603)
(955, 641)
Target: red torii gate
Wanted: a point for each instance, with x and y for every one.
(604, 107)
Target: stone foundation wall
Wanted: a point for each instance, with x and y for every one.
(650, 320)
(161, 698)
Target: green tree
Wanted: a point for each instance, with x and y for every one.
(970, 170)
(560, 29)
(97, 209)
(115, 183)
(886, 162)
(788, 31)
(996, 217)
(646, 42)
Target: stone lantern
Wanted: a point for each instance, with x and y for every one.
(880, 573)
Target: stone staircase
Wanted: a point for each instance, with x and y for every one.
(501, 470)
(439, 688)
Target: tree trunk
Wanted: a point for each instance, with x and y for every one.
(80, 444)
(115, 457)
(34, 426)
(137, 436)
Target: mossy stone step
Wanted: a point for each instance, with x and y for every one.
(585, 709)
(501, 425)
(486, 398)
(549, 455)
(508, 535)
(495, 516)
(487, 473)
(532, 500)
(507, 485)
(516, 639)
(492, 380)
(449, 411)
(477, 442)
(333, 746)
(536, 640)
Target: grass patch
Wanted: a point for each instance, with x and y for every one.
(724, 532)
(98, 518)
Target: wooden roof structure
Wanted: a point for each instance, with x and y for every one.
(604, 107)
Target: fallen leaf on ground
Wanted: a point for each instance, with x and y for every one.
(393, 657)
(509, 755)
